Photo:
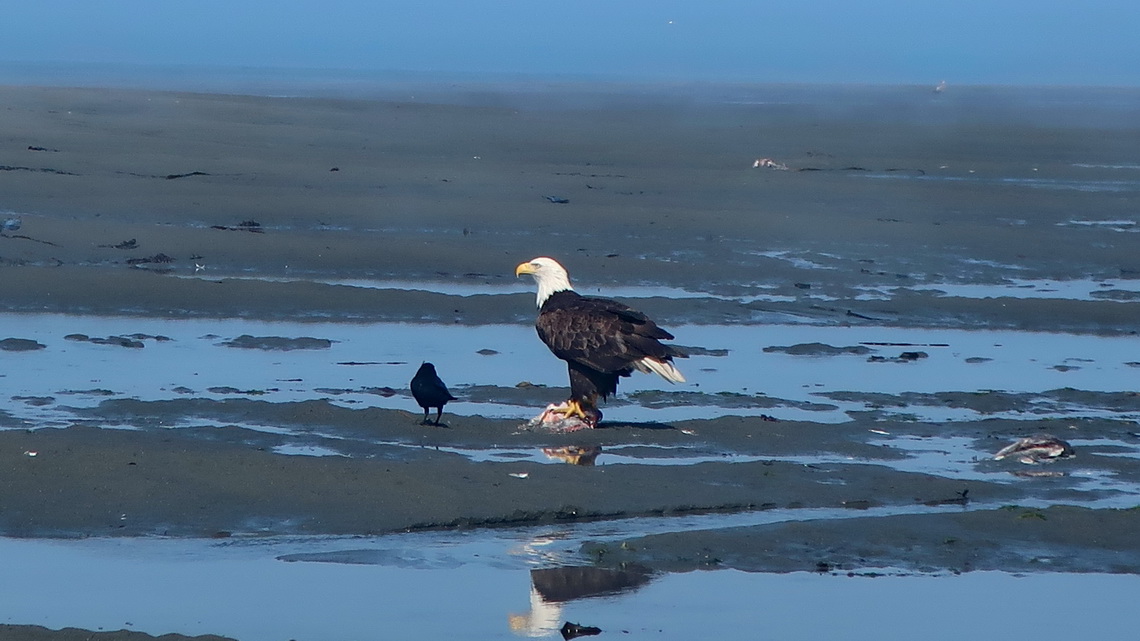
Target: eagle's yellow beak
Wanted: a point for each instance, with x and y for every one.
(524, 268)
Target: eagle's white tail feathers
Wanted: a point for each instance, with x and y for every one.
(663, 369)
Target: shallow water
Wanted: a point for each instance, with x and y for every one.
(43, 385)
(1076, 289)
(965, 376)
(1067, 289)
(1074, 184)
(245, 590)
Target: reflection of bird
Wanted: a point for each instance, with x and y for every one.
(1039, 448)
(600, 340)
(429, 391)
(574, 454)
(551, 587)
(541, 621)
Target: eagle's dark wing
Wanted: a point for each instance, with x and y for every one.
(599, 333)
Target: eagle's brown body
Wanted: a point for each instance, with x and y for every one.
(600, 340)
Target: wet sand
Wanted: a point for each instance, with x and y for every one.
(39, 633)
(660, 191)
(151, 204)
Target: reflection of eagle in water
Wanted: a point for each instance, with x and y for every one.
(600, 340)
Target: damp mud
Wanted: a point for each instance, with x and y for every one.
(211, 307)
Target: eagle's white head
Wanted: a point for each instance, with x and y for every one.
(548, 275)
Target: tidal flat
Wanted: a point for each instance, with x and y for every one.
(212, 305)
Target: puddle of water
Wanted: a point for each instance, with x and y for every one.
(1126, 450)
(475, 287)
(958, 458)
(470, 287)
(247, 592)
(1091, 186)
(41, 385)
(621, 454)
(1074, 289)
(957, 360)
(1115, 225)
(1103, 186)
(795, 259)
(1077, 289)
(1096, 166)
(305, 450)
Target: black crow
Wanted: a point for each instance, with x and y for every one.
(429, 391)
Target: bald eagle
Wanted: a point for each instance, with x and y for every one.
(600, 339)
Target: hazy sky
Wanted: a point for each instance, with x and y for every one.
(877, 41)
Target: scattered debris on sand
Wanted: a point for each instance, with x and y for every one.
(768, 163)
(1039, 448)
(245, 225)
